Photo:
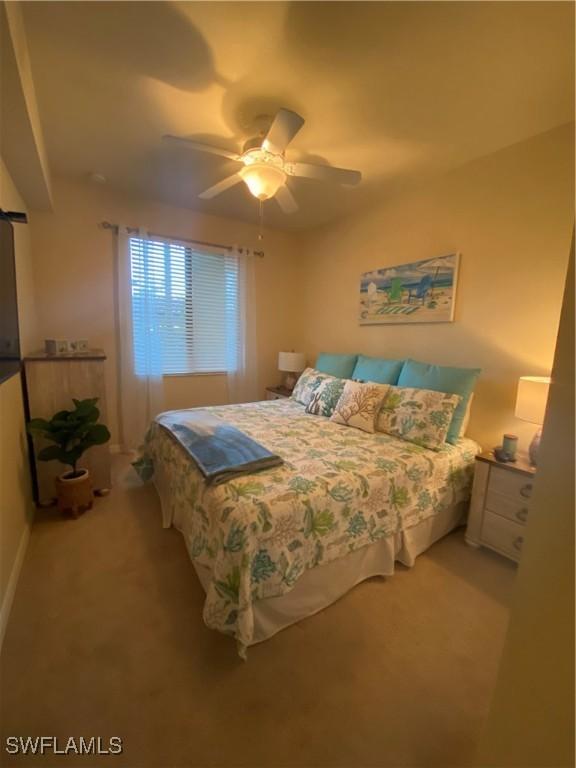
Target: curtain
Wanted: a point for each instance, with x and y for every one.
(241, 341)
(141, 396)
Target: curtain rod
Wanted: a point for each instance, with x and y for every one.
(135, 230)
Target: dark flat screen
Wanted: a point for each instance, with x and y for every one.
(9, 335)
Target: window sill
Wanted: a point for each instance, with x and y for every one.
(193, 373)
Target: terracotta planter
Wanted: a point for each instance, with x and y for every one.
(74, 493)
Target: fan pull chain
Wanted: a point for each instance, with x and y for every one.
(261, 212)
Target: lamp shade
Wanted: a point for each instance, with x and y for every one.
(291, 362)
(531, 398)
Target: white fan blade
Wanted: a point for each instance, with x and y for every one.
(202, 147)
(284, 127)
(222, 186)
(285, 199)
(323, 173)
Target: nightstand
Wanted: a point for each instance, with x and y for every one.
(277, 393)
(500, 502)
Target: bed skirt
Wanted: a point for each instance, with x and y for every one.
(319, 587)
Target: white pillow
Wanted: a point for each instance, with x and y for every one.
(307, 383)
(466, 419)
(360, 404)
(325, 397)
(420, 416)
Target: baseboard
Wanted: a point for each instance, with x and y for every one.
(13, 583)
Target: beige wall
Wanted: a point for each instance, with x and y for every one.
(16, 506)
(531, 722)
(75, 275)
(510, 214)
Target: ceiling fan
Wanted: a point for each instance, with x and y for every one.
(265, 169)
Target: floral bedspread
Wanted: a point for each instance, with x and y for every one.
(338, 490)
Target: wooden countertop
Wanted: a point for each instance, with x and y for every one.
(91, 354)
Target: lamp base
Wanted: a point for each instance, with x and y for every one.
(290, 380)
(534, 448)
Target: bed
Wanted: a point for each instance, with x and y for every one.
(276, 546)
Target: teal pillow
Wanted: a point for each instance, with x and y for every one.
(340, 366)
(456, 381)
(377, 369)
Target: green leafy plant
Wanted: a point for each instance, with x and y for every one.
(72, 433)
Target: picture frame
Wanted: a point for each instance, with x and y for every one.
(421, 291)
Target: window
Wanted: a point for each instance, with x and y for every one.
(184, 307)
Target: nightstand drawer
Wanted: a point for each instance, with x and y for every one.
(507, 507)
(503, 534)
(514, 485)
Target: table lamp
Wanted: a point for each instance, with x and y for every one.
(531, 406)
(290, 363)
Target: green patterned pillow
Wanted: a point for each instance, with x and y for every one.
(360, 404)
(419, 416)
(307, 383)
(325, 397)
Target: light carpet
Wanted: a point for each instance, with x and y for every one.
(106, 639)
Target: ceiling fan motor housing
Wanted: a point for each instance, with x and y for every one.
(254, 143)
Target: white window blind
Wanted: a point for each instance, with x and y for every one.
(184, 308)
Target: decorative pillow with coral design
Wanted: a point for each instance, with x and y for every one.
(419, 416)
(325, 397)
(307, 383)
(360, 404)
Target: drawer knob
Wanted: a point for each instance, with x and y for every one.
(526, 490)
(522, 514)
(517, 543)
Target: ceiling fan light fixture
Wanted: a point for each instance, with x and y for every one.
(263, 179)
(265, 168)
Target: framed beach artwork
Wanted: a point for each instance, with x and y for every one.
(419, 292)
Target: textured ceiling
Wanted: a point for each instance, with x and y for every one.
(394, 89)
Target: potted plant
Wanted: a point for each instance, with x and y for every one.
(72, 433)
